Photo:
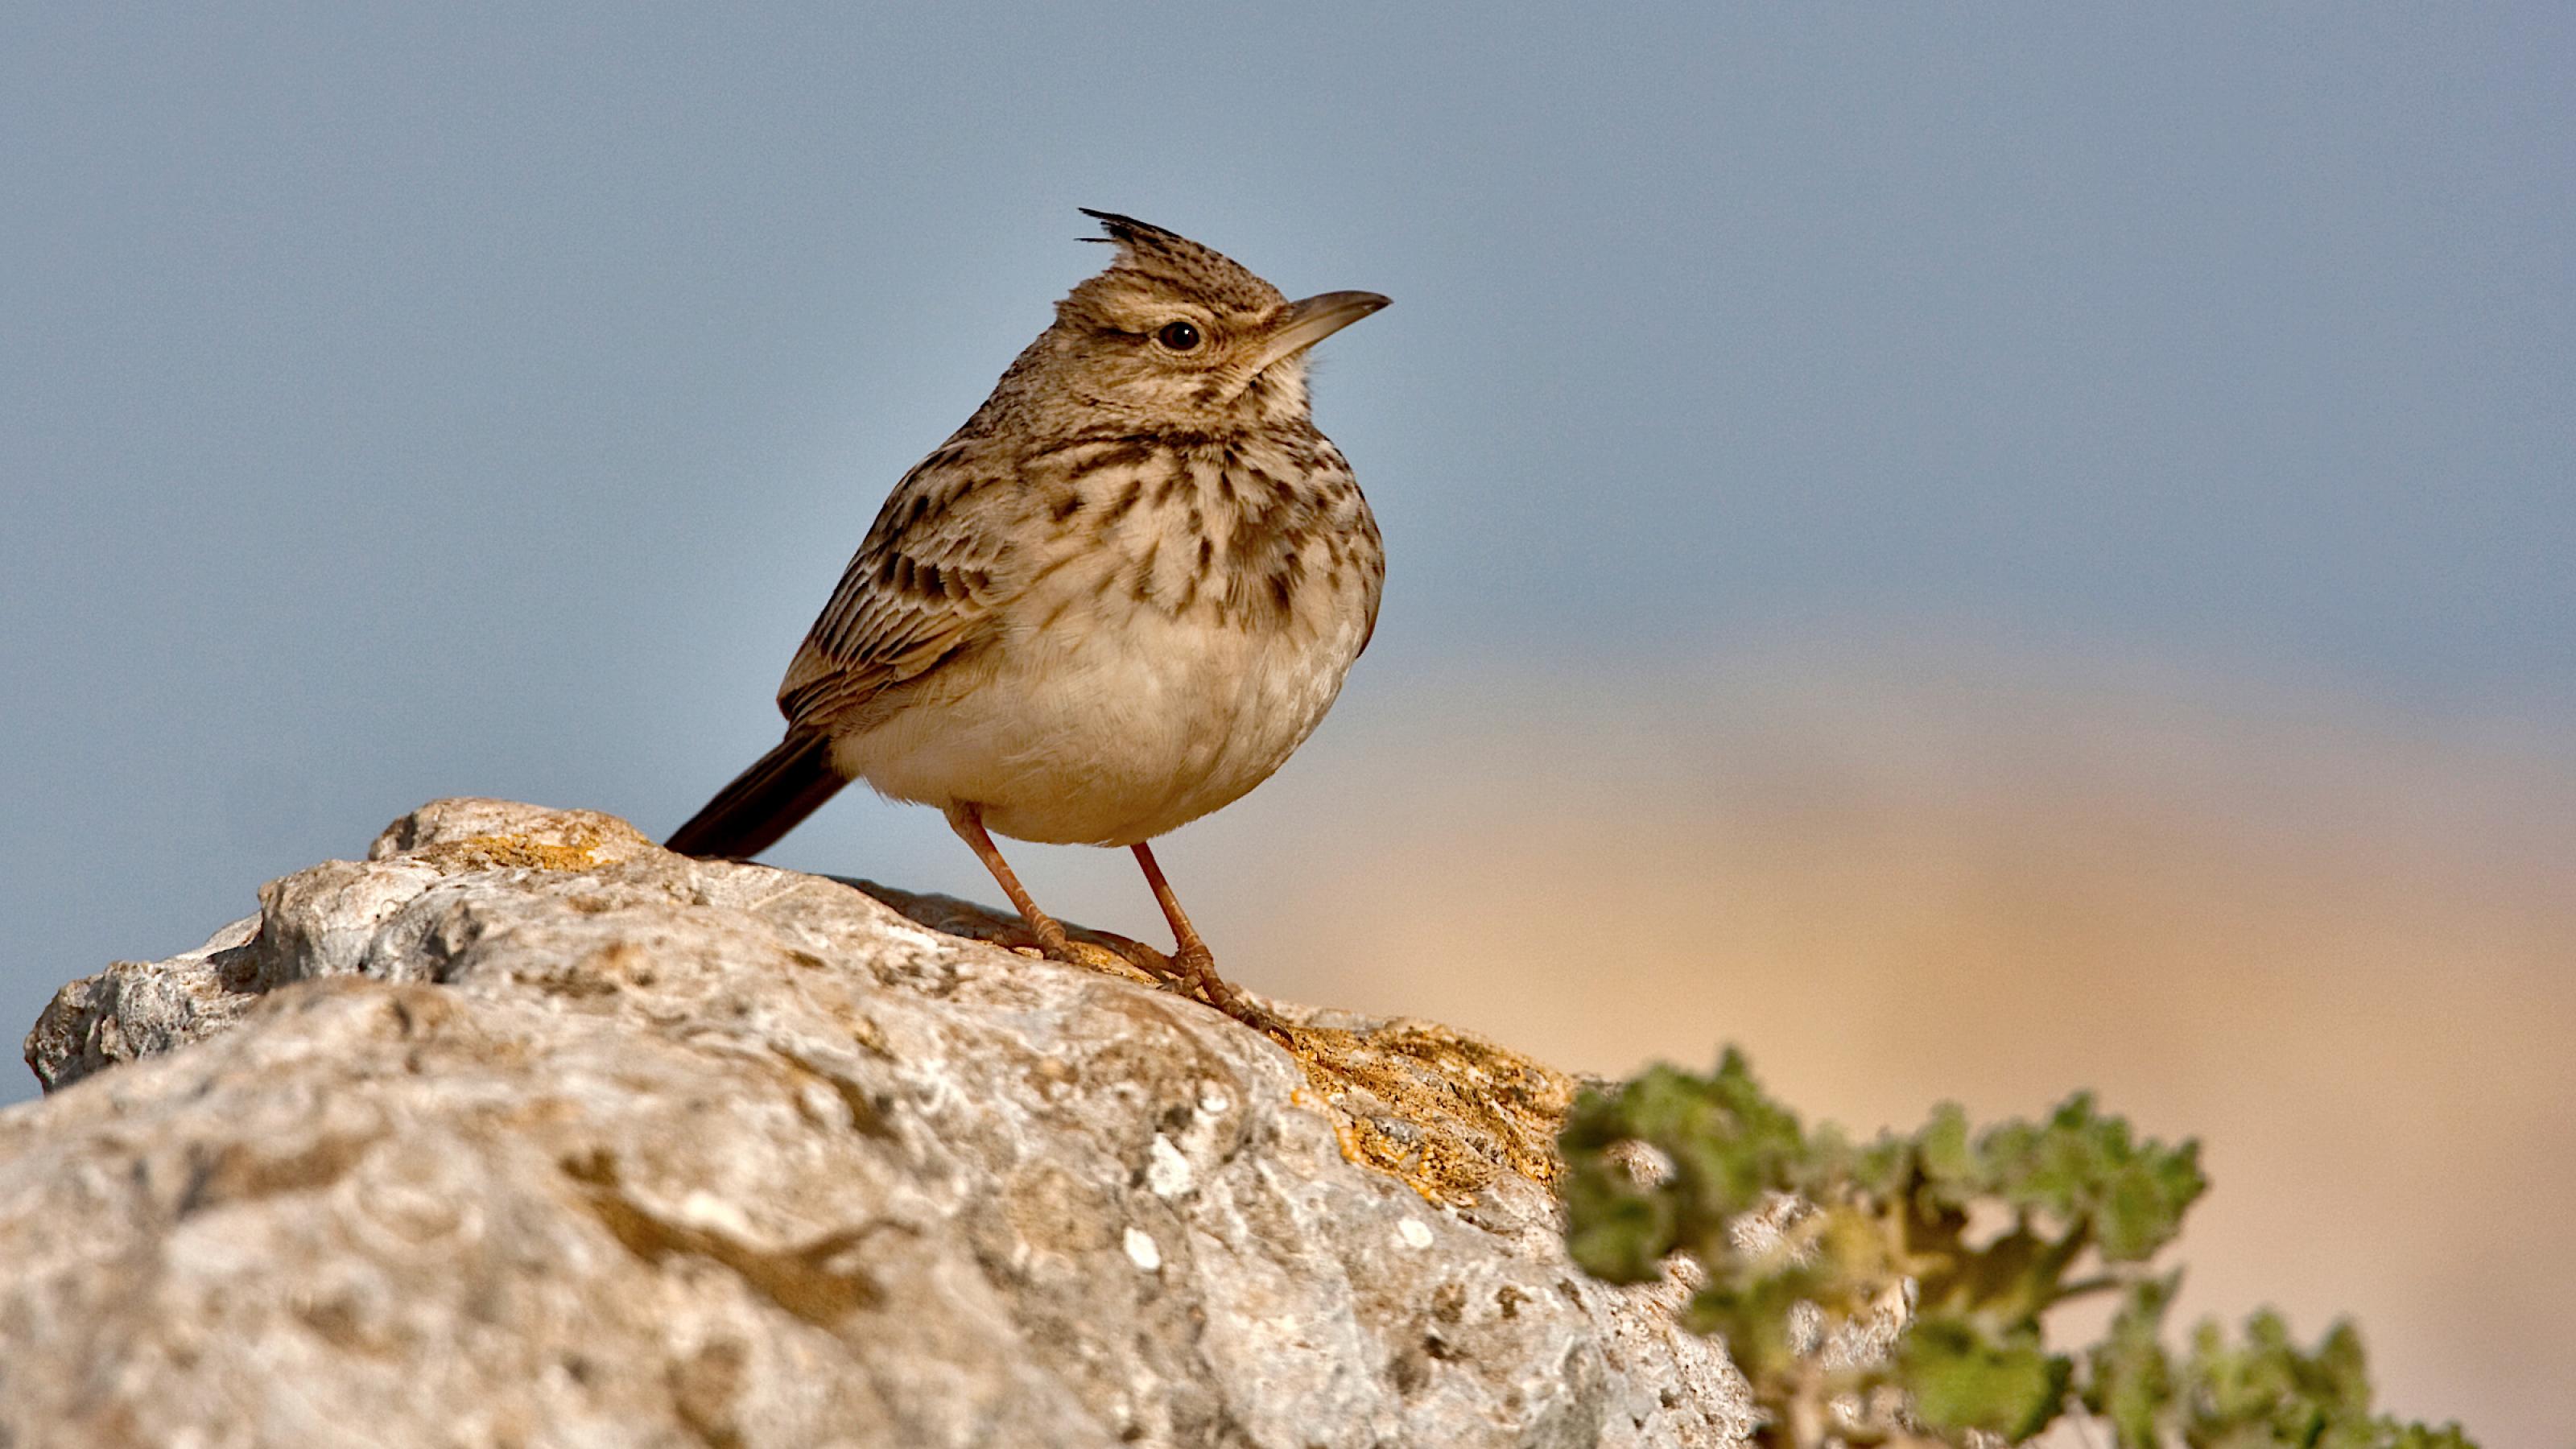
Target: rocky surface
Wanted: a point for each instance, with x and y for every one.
(523, 1131)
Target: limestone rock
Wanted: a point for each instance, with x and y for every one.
(523, 1131)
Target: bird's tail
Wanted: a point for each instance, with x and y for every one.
(764, 802)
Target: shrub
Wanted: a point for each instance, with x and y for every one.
(1892, 1292)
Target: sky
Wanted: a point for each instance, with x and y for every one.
(1975, 434)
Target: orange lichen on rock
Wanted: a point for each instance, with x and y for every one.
(1436, 1107)
(443, 835)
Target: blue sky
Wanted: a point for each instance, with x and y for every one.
(467, 399)
(409, 402)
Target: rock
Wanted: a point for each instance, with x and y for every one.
(524, 1131)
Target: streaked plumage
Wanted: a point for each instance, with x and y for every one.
(1115, 600)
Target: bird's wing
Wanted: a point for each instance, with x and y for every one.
(922, 588)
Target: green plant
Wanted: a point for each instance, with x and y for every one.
(1813, 1251)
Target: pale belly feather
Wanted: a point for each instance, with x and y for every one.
(1116, 730)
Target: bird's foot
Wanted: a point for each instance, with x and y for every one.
(1194, 972)
(1054, 943)
(1190, 971)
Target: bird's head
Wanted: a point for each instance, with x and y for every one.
(1181, 336)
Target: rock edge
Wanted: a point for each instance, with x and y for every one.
(525, 1131)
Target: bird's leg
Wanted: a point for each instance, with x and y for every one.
(1193, 961)
(968, 821)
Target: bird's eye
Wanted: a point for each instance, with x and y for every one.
(1178, 336)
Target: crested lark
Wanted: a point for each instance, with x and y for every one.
(1116, 599)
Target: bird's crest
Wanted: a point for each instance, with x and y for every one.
(1150, 252)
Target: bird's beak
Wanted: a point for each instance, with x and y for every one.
(1315, 319)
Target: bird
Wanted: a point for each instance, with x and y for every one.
(1115, 600)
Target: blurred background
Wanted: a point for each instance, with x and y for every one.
(1972, 556)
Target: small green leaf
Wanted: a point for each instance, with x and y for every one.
(2416, 1436)
(1960, 1379)
(2142, 1206)
(2129, 1380)
(1754, 1319)
(1616, 1233)
(1884, 1168)
(1746, 1145)
(1942, 1147)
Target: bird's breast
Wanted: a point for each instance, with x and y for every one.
(1189, 629)
(1230, 528)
